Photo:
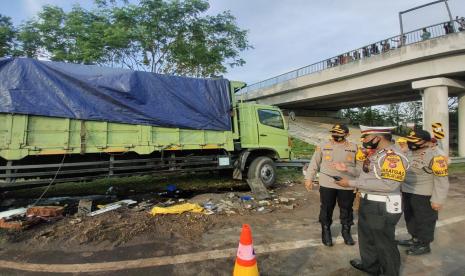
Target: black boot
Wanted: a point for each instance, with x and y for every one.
(346, 235)
(419, 249)
(410, 242)
(326, 235)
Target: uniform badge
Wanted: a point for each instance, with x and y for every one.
(392, 167)
(360, 155)
(439, 166)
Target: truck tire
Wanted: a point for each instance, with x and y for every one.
(262, 170)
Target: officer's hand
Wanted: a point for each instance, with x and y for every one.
(308, 184)
(339, 166)
(436, 206)
(344, 182)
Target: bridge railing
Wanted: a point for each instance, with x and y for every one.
(364, 52)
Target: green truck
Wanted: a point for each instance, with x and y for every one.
(39, 150)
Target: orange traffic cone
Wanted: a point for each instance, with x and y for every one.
(246, 263)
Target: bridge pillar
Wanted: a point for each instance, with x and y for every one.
(436, 108)
(461, 126)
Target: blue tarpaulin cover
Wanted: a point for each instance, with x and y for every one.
(88, 92)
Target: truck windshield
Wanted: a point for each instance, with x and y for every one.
(271, 118)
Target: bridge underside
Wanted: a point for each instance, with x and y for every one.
(397, 93)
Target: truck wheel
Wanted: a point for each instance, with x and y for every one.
(262, 170)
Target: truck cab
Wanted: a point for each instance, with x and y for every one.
(262, 138)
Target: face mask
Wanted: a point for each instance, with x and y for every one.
(338, 138)
(370, 144)
(413, 146)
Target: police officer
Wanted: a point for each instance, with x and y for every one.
(337, 150)
(424, 191)
(380, 205)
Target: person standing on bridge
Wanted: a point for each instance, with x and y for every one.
(424, 191)
(425, 34)
(380, 206)
(336, 150)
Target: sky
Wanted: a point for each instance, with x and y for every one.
(294, 33)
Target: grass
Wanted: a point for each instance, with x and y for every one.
(301, 149)
(457, 168)
(132, 185)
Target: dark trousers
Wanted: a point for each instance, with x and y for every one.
(345, 200)
(419, 216)
(376, 238)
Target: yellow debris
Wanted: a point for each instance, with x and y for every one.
(177, 209)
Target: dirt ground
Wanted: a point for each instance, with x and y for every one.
(288, 221)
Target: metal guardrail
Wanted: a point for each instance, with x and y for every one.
(299, 163)
(456, 160)
(367, 51)
(16, 176)
(293, 163)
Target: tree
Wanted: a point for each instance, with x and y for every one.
(30, 39)
(7, 35)
(413, 112)
(162, 36)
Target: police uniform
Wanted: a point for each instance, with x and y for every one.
(426, 182)
(380, 207)
(325, 155)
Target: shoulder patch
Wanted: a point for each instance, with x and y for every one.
(439, 166)
(392, 167)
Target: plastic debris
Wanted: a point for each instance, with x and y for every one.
(264, 203)
(13, 213)
(246, 198)
(177, 209)
(171, 188)
(104, 210)
(283, 199)
(112, 206)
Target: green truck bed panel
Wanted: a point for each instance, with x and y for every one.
(23, 135)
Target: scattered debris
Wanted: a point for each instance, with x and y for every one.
(75, 221)
(104, 210)
(84, 207)
(112, 206)
(18, 224)
(13, 213)
(110, 190)
(171, 188)
(45, 211)
(209, 206)
(169, 202)
(289, 207)
(246, 198)
(177, 209)
(264, 203)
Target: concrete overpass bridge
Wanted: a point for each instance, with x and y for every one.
(412, 69)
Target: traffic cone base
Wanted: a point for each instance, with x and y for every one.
(245, 271)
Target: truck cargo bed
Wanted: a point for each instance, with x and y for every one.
(25, 135)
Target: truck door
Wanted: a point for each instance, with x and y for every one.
(272, 131)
